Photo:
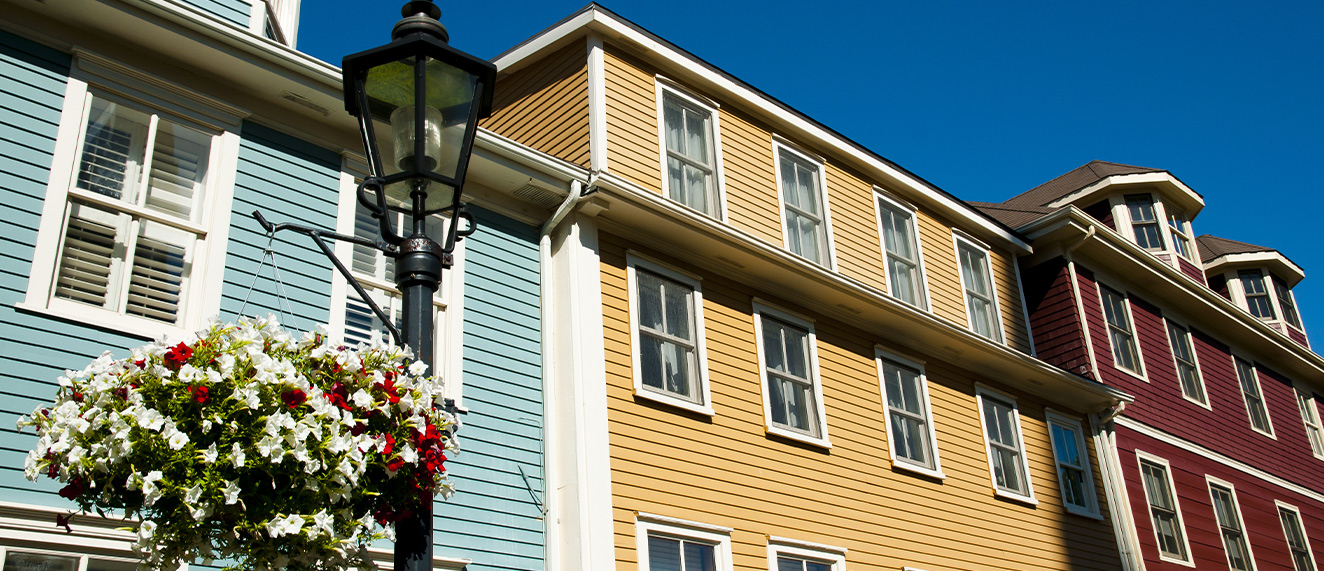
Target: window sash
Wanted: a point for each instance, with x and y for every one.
(788, 563)
(1001, 426)
(1302, 558)
(1163, 510)
(1072, 468)
(1250, 390)
(667, 335)
(902, 253)
(1121, 334)
(1230, 528)
(1144, 221)
(1286, 303)
(1310, 415)
(802, 197)
(791, 392)
(908, 407)
(679, 554)
(1257, 297)
(980, 302)
(691, 154)
(1183, 354)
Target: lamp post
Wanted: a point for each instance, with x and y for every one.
(429, 97)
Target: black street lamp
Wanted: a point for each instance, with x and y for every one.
(418, 102)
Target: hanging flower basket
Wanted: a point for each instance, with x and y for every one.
(250, 445)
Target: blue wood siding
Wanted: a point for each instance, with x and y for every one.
(288, 180)
(236, 12)
(493, 518)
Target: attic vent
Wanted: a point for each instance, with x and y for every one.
(305, 102)
(540, 196)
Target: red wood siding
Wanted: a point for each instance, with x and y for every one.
(1102, 212)
(1254, 496)
(1218, 283)
(1191, 270)
(1298, 336)
(1226, 428)
(1058, 338)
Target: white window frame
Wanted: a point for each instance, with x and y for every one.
(827, 245)
(760, 309)
(1160, 222)
(1305, 401)
(1269, 295)
(89, 74)
(1310, 552)
(83, 557)
(718, 537)
(1073, 424)
(1184, 234)
(664, 87)
(881, 355)
(1278, 303)
(959, 238)
(922, 290)
(633, 261)
(982, 391)
(448, 330)
(832, 556)
(1141, 458)
(1131, 321)
(1259, 388)
(1211, 482)
(1168, 322)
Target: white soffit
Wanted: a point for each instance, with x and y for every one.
(1188, 199)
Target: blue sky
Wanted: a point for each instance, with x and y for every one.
(988, 99)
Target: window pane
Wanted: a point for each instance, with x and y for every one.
(663, 554)
(1287, 303)
(1250, 390)
(699, 557)
(1257, 297)
(1229, 522)
(1162, 510)
(113, 149)
(788, 564)
(178, 167)
(100, 565)
(90, 249)
(902, 277)
(19, 561)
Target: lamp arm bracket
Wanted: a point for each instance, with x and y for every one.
(319, 237)
(376, 204)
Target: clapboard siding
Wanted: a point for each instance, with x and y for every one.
(545, 106)
(288, 180)
(1191, 270)
(945, 296)
(749, 177)
(1003, 274)
(236, 12)
(725, 471)
(855, 227)
(632, 135)
(501, 439)
(1051, 302)
(1255, 497)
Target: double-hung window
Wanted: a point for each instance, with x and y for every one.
(1286, 303)
(691, 155)
(788, 361)
(901, 253)
(130, 228)
(1310, 415)
(1302, 557)
(1250, 392)
(793, 555)
(981, 302)
(1181, 238)
(1144, 221)
(1257, 296)
(1073, 465)
(804, 206)
(909, 420)
(670, 544)
(1121, 334)
(666, 332)
(1008, 466)
(1164, 512)
(1230, 526)
(1183, 355)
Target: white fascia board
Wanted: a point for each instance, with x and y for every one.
(1259, 259)
(594, 19)
(1192, 202)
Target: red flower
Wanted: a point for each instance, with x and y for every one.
(394, 465)
(390, 445)
(358, 428)
(388, 386)
(78, 397)
(339, 396)
(140, 363)
(63, 521)
(176, 356)
(73, 490)
(200, 394)
(293, 398)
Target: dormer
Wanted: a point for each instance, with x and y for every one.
(1257, 279)
(1148, 206)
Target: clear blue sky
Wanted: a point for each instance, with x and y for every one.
(988, 99)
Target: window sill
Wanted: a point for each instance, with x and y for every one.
(1205, 405)
(1084, 513)
(799, 437)
(94, 317)
(1263, 433)
(1176, 561)
(903, 465)
(1127, 371)
(671, 401)
(1027, 500)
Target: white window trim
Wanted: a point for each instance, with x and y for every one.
(449, 349)
(1255, 371)
(1300, 391)
(981, 390)
(880, 194)
(761, 308)
(1101, 283)
(1195, 358)
(205, 281)
(1295, 308)
(717, 536)
(834, 557)
(1310, 551)
(663, 86)
(1210, 482)
(1142, 456)
(881, 354)
(779, 146)
(957, 239)
(1091, 494)
(633, 260)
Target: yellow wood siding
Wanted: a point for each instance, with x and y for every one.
(632, 135)
(944, 279)
(545, 106)
(725, 471)
(1009, 301)
(859, 252)
(750, 178)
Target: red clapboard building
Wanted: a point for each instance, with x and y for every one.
(1219, 462)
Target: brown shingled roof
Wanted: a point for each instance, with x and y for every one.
(1075, 179)
(1212, 247)
(1013, 216)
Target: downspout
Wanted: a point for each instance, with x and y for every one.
(1080, 303)
(1114, 487)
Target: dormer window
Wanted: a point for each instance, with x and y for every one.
(1286, 303)
(1257, 296)
(1144, 221)
(1181, 236)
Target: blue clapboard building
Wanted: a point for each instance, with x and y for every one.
(136, 139)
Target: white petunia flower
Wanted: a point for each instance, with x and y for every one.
(324, 522)
(237, 455)
(362, 399)
(209, 455)
(231, 492)
(417, 368)
(192, 495)
(177, 440)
